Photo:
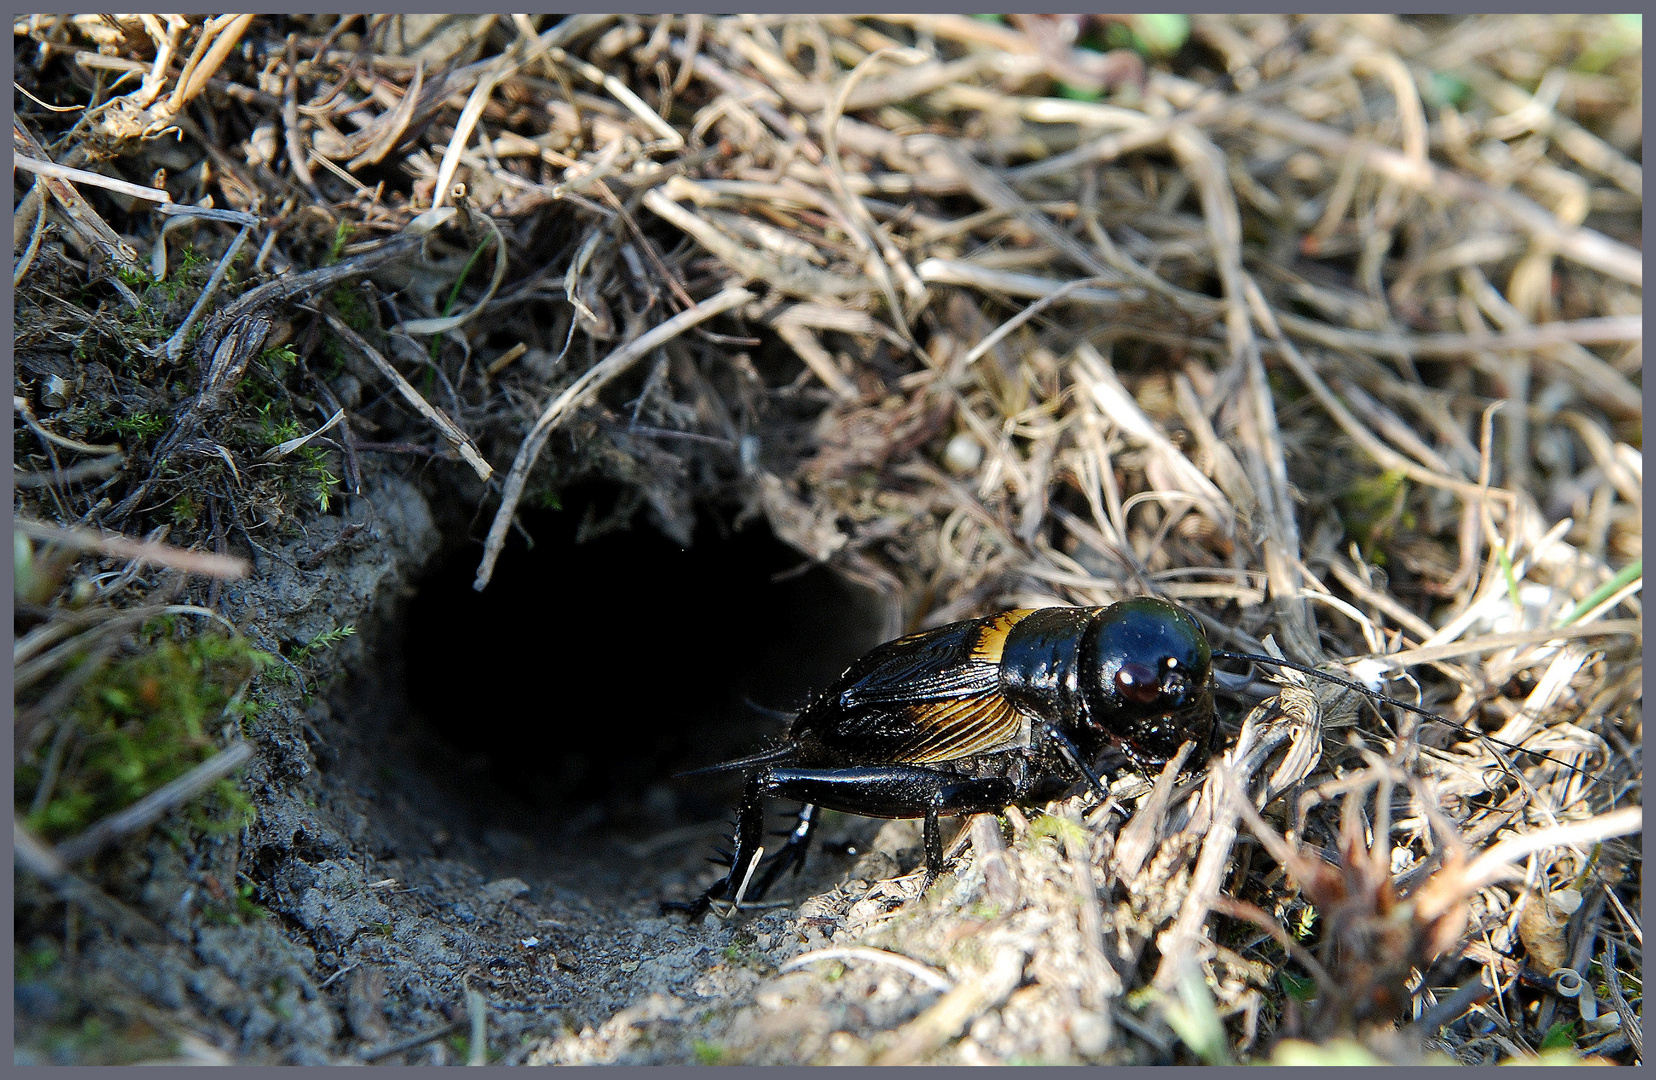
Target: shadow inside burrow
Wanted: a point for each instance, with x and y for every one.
(535, 728)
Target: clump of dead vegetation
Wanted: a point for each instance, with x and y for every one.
(1326, 327)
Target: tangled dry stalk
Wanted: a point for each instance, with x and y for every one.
(1327, 327)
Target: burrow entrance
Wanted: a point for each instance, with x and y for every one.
(545, 717)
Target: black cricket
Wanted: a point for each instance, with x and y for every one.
(979, 715)
(976, 716)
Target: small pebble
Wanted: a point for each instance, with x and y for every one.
(963, 454)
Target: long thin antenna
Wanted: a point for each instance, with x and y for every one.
(1365, 691)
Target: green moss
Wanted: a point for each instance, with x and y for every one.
(1297, 988)
(185, 510)
(1151, 36)
(234, 909)
(322, 642)
(140, 425)
(1058, 828)
(306, 473)
(1305, 921)
(743, 954)
(1372, 509)
(95, 1040)
(341, 237)
(279, 358)
(37, 961)
(141, 723)
(317, 476)
(353, 308)
(354, 312)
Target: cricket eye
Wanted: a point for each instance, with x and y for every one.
(1138, 683)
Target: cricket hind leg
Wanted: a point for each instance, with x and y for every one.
(896, 791)
(792, 854)
(746, 848)
(888, 791)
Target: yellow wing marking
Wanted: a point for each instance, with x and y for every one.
(991, 641)
(960, 727)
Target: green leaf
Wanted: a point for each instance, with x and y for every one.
(1444, 88)
(1160, 35)
(1505, 559)
(1297, 988)
(1628, 574)
(1624, 37)
(1194, 1017)
(1561, 1036)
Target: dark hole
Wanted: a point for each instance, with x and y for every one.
(565, 695)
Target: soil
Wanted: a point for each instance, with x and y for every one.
(396, 876)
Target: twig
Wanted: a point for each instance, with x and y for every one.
(174, 347)
(1029, 286)
(331, 979)
(1451, 1008)
(120, 547)
(478, 1050)
(671, 139)
(88, 228)
(1580, 244)
(999, 333)
(446, 427)
(412, 1042)
(1630, 1024)
(785, 273)
(882, 258)
(96, 469)
(1298, 720)
(193, 79)
(933, 979)
(20, 269)
(949, 1015)
(573, 397)
(1493, 642)
(36, 858)
(992, 191)
(805, 344)
(108, 183)
(1137, 838)
(1498, 862)
(497, 71)
(210, 213)
(152, 806)
(1112, 398)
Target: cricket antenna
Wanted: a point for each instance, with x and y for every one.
(1417, 710)
(766, 710)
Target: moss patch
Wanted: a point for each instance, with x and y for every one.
(140, 723)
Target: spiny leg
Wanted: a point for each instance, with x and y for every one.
(750, 831)
(889, 791)
(791, 854)
(934, 849)
(896, 791)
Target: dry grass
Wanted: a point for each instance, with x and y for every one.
(1327, 327)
